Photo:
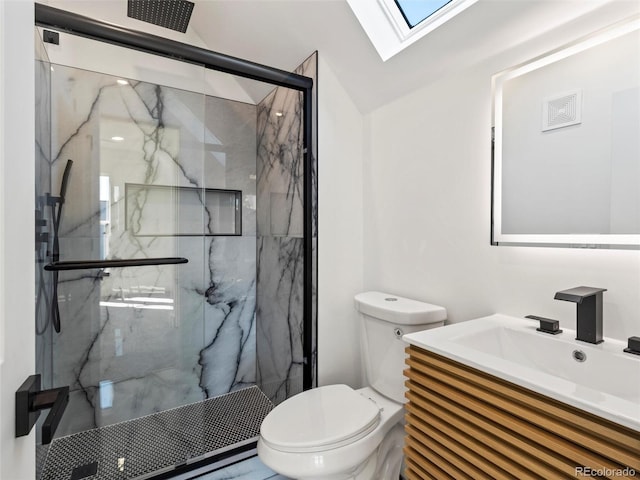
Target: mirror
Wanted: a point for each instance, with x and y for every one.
(566, 146)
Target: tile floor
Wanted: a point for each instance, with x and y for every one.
(249, 469)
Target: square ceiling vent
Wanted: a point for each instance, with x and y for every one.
(173, 14)
(562, 110)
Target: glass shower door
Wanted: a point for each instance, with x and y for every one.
(160, 359)
(43, 211)
(130, 338)
(171, 365)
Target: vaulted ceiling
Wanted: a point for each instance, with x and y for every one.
(282, 33)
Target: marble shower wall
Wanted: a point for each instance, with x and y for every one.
(280, 356)
(139, 340)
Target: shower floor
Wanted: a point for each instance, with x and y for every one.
(161, 442)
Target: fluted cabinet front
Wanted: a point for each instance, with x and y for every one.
(465, 424)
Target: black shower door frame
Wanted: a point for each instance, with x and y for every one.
(46, 16)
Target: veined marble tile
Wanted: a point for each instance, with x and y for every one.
(280, 241)
(138, 340)
(250, 469)
(230, 153)
(279, 328)
(280, 164)
(228, 357)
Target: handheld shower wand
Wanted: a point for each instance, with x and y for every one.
(57, 215)
(56, 205)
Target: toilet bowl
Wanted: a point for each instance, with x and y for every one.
(329, 432)
(334, 432)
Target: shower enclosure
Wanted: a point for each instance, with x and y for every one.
(175, 248)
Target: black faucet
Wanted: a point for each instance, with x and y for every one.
(589, 319)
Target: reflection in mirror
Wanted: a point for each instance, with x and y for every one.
(567, 145)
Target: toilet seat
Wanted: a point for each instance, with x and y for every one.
(320, 419)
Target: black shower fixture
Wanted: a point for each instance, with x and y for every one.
(55, 266)
(56, 204)
(173, 14)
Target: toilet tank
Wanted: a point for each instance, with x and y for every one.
(386, 318)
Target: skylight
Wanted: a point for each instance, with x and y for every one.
(393, 25)
(415, 11)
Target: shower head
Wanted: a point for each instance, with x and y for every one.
(173, 14)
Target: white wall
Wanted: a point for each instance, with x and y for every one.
(427, 215)
(421, 225)
(340, 156)
(17, 342)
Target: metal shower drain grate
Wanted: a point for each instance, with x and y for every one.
(173, 14)
(139, 447)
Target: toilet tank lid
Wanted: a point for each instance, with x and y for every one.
(395, 309)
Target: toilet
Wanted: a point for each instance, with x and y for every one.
(334, 432)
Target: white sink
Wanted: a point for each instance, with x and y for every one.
(606, 383)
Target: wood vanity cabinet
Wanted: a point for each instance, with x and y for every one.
(462, 423)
